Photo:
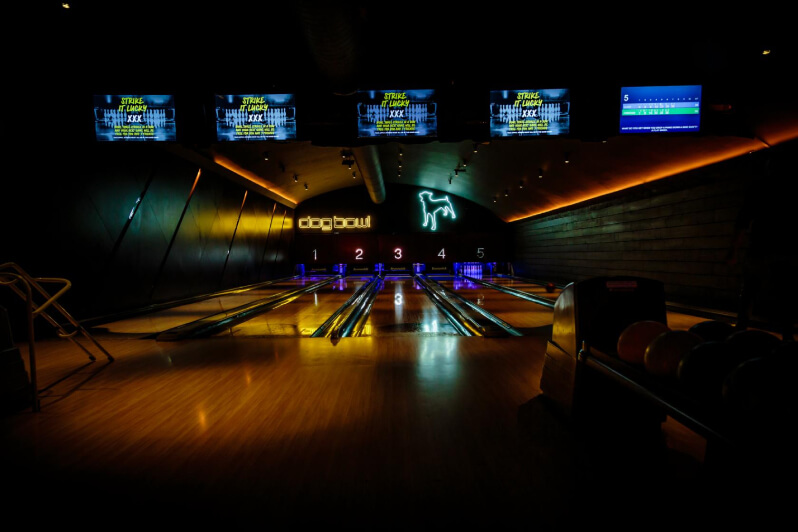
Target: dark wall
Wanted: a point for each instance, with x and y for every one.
(678, 230)
(74, 214)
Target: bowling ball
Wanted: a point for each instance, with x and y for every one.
(761, 389)
(751, 343)
(703, 370)
(712, 330)
(664, 353)
(635, 338)
(550, 287)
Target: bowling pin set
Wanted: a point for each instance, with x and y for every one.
(547, 111)
(236, 117)
(151, 117)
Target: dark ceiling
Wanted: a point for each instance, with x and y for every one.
(324, 51)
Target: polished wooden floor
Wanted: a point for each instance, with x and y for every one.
(397, 431)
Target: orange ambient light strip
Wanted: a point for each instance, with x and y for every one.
(675, 169)
(249, 176)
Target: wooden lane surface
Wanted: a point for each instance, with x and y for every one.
(524, 315)
(166, 319)
(402, 425)
(530, 288)
(403, 307)
(302, 316)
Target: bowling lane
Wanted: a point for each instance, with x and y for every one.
(530, 288)
(166, 319)
(302, 316)
(403, 307)
(520, 313)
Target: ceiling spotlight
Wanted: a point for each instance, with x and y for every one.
(65, 5)
(495, 199)
(506, 192)
(476, 147)
(296, 178)
(604, 141)
(265, 156)
(400, 164)
(521, 184)
(400, 152)
(306, 186)
(456, 172)
(540, 173)
(350, 165)
(765, 52)
(567, 157)
(450, 180)
(465, 163)
(354, 175)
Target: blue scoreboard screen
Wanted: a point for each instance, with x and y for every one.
(255, 117)
(521, 113)
(397, 113)
(670, 109)
(134, 117)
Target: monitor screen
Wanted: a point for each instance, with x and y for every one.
(397, 113)
(134, 117)
(524, 113)
(670, 109)
(255, 117)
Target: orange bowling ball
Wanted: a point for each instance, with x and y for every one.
(635, 338)
(664, 353)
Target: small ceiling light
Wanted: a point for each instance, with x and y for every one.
(354, 175)
(350, 165)
(456, 172)
(400, 164)
(306, 186)
(465, 163)
(567, 157)
(265, 156)
(476, 147)
(495, 199)
(765, 52)
(506, 192)
(521, 184)
(400, 152)
(540, 173)
(604, 141)
(450, 180)
(65, 5)
(296, 178)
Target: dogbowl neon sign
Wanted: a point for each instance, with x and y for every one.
(334, 222)
(432, 206)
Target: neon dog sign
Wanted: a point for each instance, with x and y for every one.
(431, 206)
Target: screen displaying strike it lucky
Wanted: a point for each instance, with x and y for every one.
(523, 113)
(668, 109)
(134, 117)
(397, 113)
(255, 117)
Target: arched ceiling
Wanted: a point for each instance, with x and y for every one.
(324, 51)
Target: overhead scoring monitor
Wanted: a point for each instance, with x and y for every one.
(134, 117)
(668, 109)
(529, 113)
(255, 117)
(397, 113)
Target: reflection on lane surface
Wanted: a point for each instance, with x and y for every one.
(301, 316)
(166, 319)
(520, 313)
(531, 288)
(403, 307)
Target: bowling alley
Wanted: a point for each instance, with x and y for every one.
(399, 266)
